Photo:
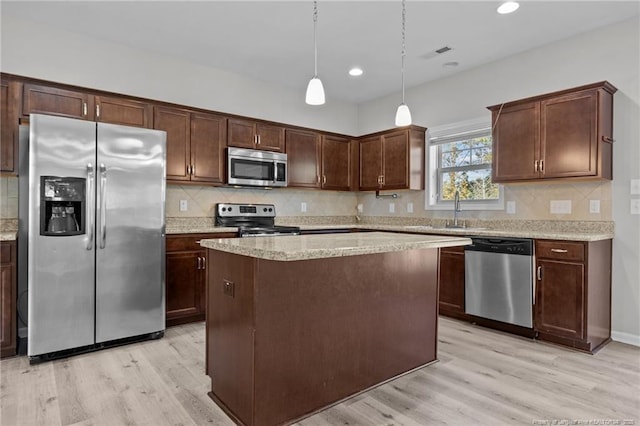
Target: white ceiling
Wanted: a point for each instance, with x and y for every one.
(273, 40)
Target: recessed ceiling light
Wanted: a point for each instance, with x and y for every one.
(508, 7)
(451, 64)
(355, 72)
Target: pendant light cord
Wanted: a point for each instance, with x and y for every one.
(315, 44)
(403, 47)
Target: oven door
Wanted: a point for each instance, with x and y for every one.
(256, 168)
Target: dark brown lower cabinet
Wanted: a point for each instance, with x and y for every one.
(451, 277)
(572, 304)
(573, 293)
(7, 298)
(186, 265)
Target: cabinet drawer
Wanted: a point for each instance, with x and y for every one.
(190, 242)
(5, 254)
(561, 250)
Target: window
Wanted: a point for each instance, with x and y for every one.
(459, 159)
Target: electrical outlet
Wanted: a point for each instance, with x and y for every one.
(635, 187)
(303, 207)
(511, 207)
(409, 207)
(635, 206)
(594, 206)
(360, 208)
(184, 206)
(392, 208)
(560, 206)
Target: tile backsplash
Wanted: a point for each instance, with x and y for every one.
(201, 200)
(532, 201)
(8, 197)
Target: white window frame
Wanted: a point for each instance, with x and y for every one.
(442, 134)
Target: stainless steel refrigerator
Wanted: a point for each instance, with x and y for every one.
(91, 233)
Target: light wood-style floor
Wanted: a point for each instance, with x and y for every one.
(483, 377)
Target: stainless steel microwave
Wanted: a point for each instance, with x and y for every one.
(256, 168)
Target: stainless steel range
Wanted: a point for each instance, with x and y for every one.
(252, 220)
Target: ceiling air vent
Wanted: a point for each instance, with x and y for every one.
(436, 52)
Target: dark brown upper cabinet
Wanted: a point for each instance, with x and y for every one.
(393, 159)
(8, 127)
(83, 105)
(255, 135)
(562, 135)
(196, 143)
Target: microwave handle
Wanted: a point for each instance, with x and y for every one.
(275, 172)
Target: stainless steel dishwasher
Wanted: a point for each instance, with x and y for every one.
(499, 279)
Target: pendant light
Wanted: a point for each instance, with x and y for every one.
(315, 91)
(403, 115)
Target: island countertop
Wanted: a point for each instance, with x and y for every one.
(305, 247)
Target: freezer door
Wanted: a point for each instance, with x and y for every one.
(130, 232)
(59, 270)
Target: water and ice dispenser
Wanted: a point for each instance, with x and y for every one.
(62, 206)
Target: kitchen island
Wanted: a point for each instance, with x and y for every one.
(297, 323)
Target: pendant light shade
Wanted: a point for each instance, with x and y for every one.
(403, 115)
(315, 90)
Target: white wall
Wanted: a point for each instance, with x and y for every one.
(38, 51)
(611, 53)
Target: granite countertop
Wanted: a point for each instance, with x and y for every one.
(305, 247)
(486, 232)
(8, 229)
(518, 229)
(8, 236)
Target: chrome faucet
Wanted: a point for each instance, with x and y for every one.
(456, 209)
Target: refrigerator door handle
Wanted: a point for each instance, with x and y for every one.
(103, 206)
(90, 208)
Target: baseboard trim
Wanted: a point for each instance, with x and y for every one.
(628, 338)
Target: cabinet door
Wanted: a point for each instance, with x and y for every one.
(7, 300)
(241, 133)
(569, 135)
(185, 286)
(123, 111)
(270, 138)
(54, 101)
(395, 160)
(370, 163)
(176, 122)
(516, 143)
(303, 158)
(451, 281)
(336, 163)
(208, 141)
(8, 128)
(559, 305)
